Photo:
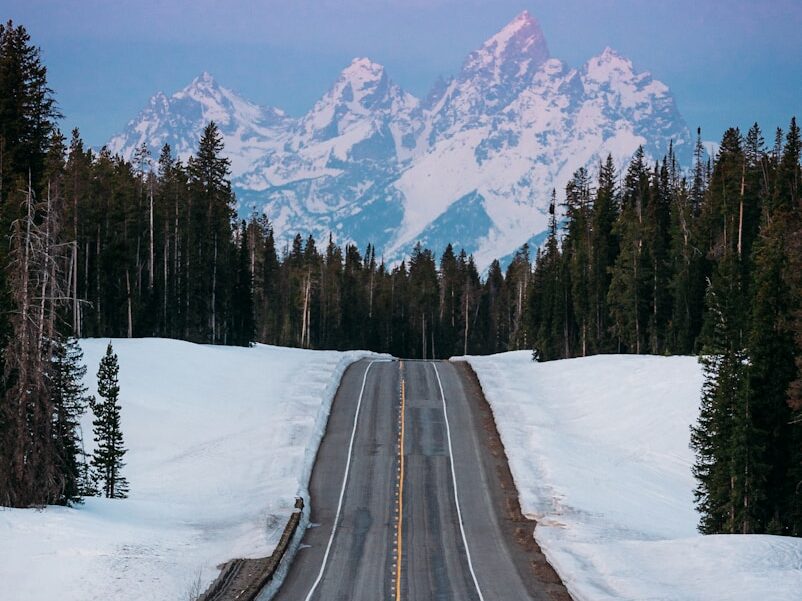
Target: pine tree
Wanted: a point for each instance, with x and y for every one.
(242, 314)
(27, 112)
(70, 400)
(210, 239)
(424, 293)
(604, 251)
(577, 253)
(793, 278)
(515, 298)
(28, 455)
(107, 460)
(725, 470)
(492, 310)
(772, 348)
(547, 306)
(449, 302)
(469, 305)
(658, 221)
(698, 176)
(687, 290)
(630, 287)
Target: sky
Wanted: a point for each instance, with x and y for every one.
(728, 62)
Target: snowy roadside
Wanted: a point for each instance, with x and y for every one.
(598, 448)
(221, 441)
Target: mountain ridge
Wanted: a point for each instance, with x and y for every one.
(371, 163)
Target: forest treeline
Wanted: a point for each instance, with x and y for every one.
(653, 259)
(656, 261)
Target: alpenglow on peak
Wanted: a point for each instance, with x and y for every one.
(521, 43)
(474, 165)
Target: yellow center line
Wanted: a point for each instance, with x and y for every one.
(400, 522)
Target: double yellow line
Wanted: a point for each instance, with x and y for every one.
(400, 522)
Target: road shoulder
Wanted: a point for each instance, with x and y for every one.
(530, 561)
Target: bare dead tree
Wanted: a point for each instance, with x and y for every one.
(29, 474)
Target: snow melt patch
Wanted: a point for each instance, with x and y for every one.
(598, 448)
(221, 440)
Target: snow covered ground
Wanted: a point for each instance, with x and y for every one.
(220, 439)
(599, 451)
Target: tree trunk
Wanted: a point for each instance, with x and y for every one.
(152, 262)
(130, 312)
(465, 335)
(214, 292)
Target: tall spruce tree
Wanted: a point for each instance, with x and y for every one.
(28, 455)
(70, 400)
(577, 253)
(727, 491)
(629, 292)
(547, 306)
(107, 460)
(772, 346)
(604, 251)
(211, 211)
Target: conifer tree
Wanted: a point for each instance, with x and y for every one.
(715, 437)
(424, 293)
(210, 238)
(242, 313)
(492, 309)
(577, 253)
(603, 253)
(686, 285)
(107, 460)
(772, 348)
(515, 298)
(27, 112)
(698, 175)
(449, 301)
(547, 305)
(70, 400)
(628, 296)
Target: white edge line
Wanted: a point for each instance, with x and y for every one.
(345, 482)
(454, 481)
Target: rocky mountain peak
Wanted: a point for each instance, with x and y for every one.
(609, 65)
(362, 70)
(515, 51)
(204, 79)
(474, 164)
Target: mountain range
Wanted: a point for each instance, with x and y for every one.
(473, 163)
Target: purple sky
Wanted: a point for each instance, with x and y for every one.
(728, 62)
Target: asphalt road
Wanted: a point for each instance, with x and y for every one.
(358, 493)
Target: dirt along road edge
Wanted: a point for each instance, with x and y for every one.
(530, 561)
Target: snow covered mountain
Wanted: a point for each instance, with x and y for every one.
(473, 164)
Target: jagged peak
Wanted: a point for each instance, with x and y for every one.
(205, 79)
(610, 61)
(523, 21)
(365, 81)
(523, 29)
(362, 70)
(520, 41)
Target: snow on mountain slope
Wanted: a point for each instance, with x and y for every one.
(372, 163)
(220, 441)
(598, 448)
(249, 131)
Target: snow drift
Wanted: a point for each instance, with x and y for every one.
(598, 448)
(221, 440)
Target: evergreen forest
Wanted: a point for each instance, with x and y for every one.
(657, 258)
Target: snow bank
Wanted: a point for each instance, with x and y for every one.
(599, 451)
(220, 439)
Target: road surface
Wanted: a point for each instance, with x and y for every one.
(424, 525)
